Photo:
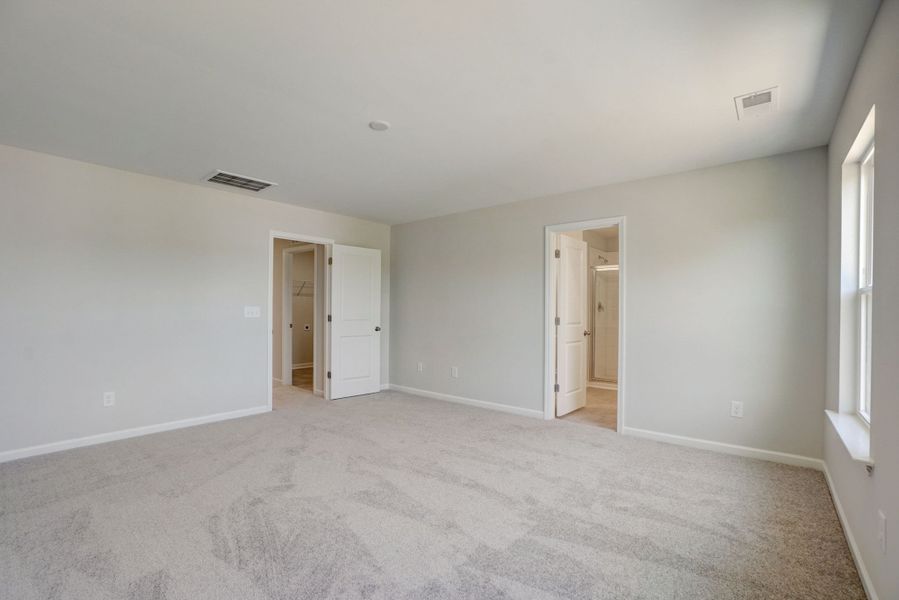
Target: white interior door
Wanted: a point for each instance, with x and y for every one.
(355, 321)
(572, 330)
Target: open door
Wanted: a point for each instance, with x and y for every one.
(355, 316)
(572, 329)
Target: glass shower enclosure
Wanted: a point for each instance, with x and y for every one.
(604, 324)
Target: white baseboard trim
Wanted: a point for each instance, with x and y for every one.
(318, 392)
(112, 436)
(524, 412)
(770, 455)
(385, 386)
(307, 365)
(853, 546)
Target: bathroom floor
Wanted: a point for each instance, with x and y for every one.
(601, 409)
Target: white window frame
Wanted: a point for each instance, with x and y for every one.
(865, 281)
(851, 416)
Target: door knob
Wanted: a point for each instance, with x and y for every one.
(586, 333)
(377, 329)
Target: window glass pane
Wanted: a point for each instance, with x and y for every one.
(864, 392)
(866, 220)
(866, 280)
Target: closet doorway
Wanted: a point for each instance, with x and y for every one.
(345, 323)
(299, 315)
(298, 340)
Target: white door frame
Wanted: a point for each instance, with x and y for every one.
(287, 306)
(551, 233)
(294, 237)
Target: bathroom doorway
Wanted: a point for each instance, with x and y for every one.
(585, 301)
(603, 274)
(603, 278)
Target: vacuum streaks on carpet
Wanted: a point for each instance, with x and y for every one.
(398, 497)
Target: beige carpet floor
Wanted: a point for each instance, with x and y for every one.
(392, 496)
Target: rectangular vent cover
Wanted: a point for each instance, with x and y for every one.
(756, 104)
(756, 99)
(239, 181)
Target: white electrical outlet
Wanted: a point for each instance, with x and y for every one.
(736, 409)
(454, 371)
(421, 366)
(882, 531)
(108, 398)
(252, 312)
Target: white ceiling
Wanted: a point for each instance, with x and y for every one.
(490, 101)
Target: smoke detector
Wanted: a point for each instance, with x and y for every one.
(239, 181)
(756, 104)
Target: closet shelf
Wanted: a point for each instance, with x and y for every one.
(303, 287)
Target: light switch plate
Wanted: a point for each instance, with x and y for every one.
(252, 312)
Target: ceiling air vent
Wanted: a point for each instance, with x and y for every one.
(239, 181)
(756, 104)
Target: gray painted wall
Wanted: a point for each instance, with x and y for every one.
(876, 82)
(118, 281)
(733, 311)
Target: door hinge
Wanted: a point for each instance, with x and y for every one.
(558, 253)
(558, 321)
(556, 388)
(329, 375)
(329, 318)
(330, 260)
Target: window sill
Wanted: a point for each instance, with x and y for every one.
(855, 434)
